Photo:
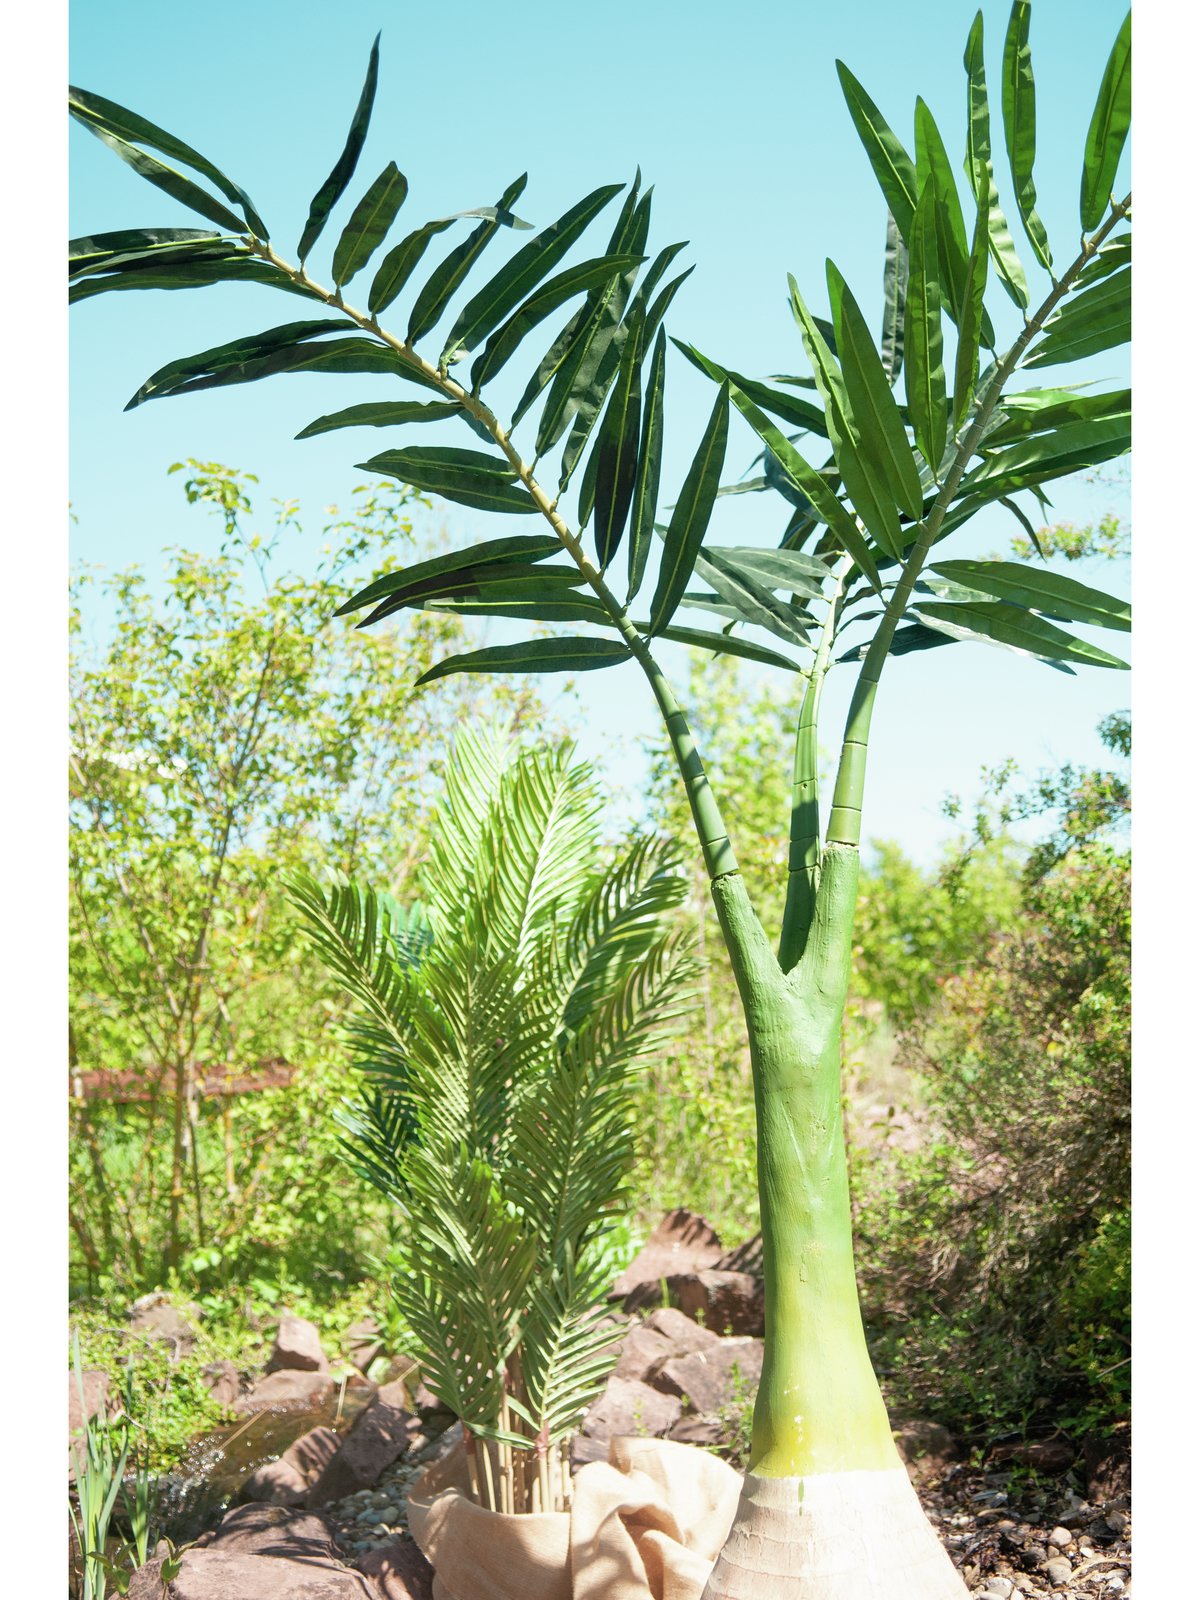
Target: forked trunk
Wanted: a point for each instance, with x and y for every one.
(827, 1511)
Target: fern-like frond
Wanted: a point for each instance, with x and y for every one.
(369, 942)
(471, 782)
(465, 1292)
(618, 922)
(536, 853)
(568, 1347)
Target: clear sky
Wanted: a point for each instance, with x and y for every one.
(737, 118)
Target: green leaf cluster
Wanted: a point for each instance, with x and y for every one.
(497, 1031)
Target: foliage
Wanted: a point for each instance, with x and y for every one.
(497, 1028)
(870, 486)
(1011, 1232)
(106, 1459)
(915, 929)
(223, 731)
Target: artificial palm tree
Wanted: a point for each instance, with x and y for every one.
(858, 576)
(499, 1025)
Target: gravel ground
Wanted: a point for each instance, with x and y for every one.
(1011, 1540)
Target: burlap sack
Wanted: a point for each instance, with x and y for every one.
(646, 1525)
(484, 1555)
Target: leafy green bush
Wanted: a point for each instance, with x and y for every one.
(225, 729)
(1009, 1238)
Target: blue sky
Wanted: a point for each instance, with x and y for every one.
(738, 120)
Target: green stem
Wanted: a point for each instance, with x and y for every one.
(718, 852)
(845, 816)
(818, 1407)
(804, 848)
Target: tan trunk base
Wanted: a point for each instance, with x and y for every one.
(833, 1536)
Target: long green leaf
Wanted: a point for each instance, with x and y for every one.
(198, 274)
(790, 407)
(1108, 130)
(924, 374)
(1040, 590)
(469, 477)
(1097, 318)
(446, 278)
(521, 276)
(600, 314)
(778, 569)
(382, 414)
(971, 310)
(512, 547)
(891, 163)
(127, 125)
(161, 176)
(505, 600)
(727, 644)
(690, 517)
(536, 655)
(1012, 626)
(876, 415)
(933, 166)
(644, 506)
(1037, 460)
(581, 325)
(752, 601)
(369, 224)
(585, 276)
(589, 366)
(616, 451)
(865, 485)
(979, 148)
(1018, 104)
(895, 287)
(236, 353)
(99, 252)
(1041, 410)
(331, 190)
(399, 264)
(506, 579)
(804, 480)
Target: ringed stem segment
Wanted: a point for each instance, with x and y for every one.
(846, 812)
(719, 857)
(804, 847)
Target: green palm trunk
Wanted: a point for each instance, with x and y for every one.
(818, 1407)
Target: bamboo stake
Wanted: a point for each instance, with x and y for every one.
(506, 1458)
(472, 1468)
(489, 1481)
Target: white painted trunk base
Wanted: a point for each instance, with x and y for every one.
(833, 1536)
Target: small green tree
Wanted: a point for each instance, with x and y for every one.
(498, 1029)
(895, 481)
(222, 732)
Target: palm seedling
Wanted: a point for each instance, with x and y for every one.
(497, 1031)
(859, 576)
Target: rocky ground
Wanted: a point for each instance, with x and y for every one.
(326, 1516)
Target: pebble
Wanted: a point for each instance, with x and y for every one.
(1060, 1538)
(1058, 1569)
(1003, 1587)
